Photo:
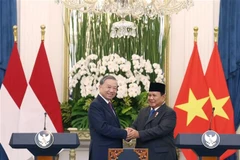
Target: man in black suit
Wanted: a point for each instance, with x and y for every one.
(105, 130)
(155, 125)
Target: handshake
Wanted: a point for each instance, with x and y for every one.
(131, 134)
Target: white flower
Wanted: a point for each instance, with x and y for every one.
(148, 67)
(102, 69)
(156, 66)
(133, 76)
(134, 90)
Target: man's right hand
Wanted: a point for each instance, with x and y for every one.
(131, 134)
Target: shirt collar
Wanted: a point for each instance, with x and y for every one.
(155, 108)
(104, 98)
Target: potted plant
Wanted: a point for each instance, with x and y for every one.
(133, 82)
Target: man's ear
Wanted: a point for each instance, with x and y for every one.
(164, 96)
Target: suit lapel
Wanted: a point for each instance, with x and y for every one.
(146, 116)
(105, 105)
(108, 109)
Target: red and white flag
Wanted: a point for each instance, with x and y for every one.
(41, 98)
(11, 94)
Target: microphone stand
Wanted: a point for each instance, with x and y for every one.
(45, 117)
(210, 124)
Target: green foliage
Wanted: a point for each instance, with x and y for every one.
(93, 37)
(80, 112)
(126, 109)
(66, 114)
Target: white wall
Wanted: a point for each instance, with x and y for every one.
(33, 13)
(204, 15)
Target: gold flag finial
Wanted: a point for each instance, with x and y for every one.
(195, 33)
(15, 33)
(43, 27)
(215, 34)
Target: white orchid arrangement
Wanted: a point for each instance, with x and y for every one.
(133, 77)
(133, 82)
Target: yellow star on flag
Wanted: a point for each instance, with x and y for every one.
(218, 105)
(194, 107)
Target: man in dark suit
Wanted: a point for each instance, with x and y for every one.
(155, 125)
(104, 124)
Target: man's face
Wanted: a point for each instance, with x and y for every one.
(155, 99)
(108, 89)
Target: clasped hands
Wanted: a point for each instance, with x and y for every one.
(131, 134)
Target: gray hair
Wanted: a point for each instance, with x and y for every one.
(106, 78)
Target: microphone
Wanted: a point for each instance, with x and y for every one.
(45, 117)
(210, 124)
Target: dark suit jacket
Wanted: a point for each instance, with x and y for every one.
(105, 130)
(156, 132)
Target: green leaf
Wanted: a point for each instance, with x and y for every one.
(126, 110)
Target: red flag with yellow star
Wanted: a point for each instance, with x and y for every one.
(192, 105)
(223, 121)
